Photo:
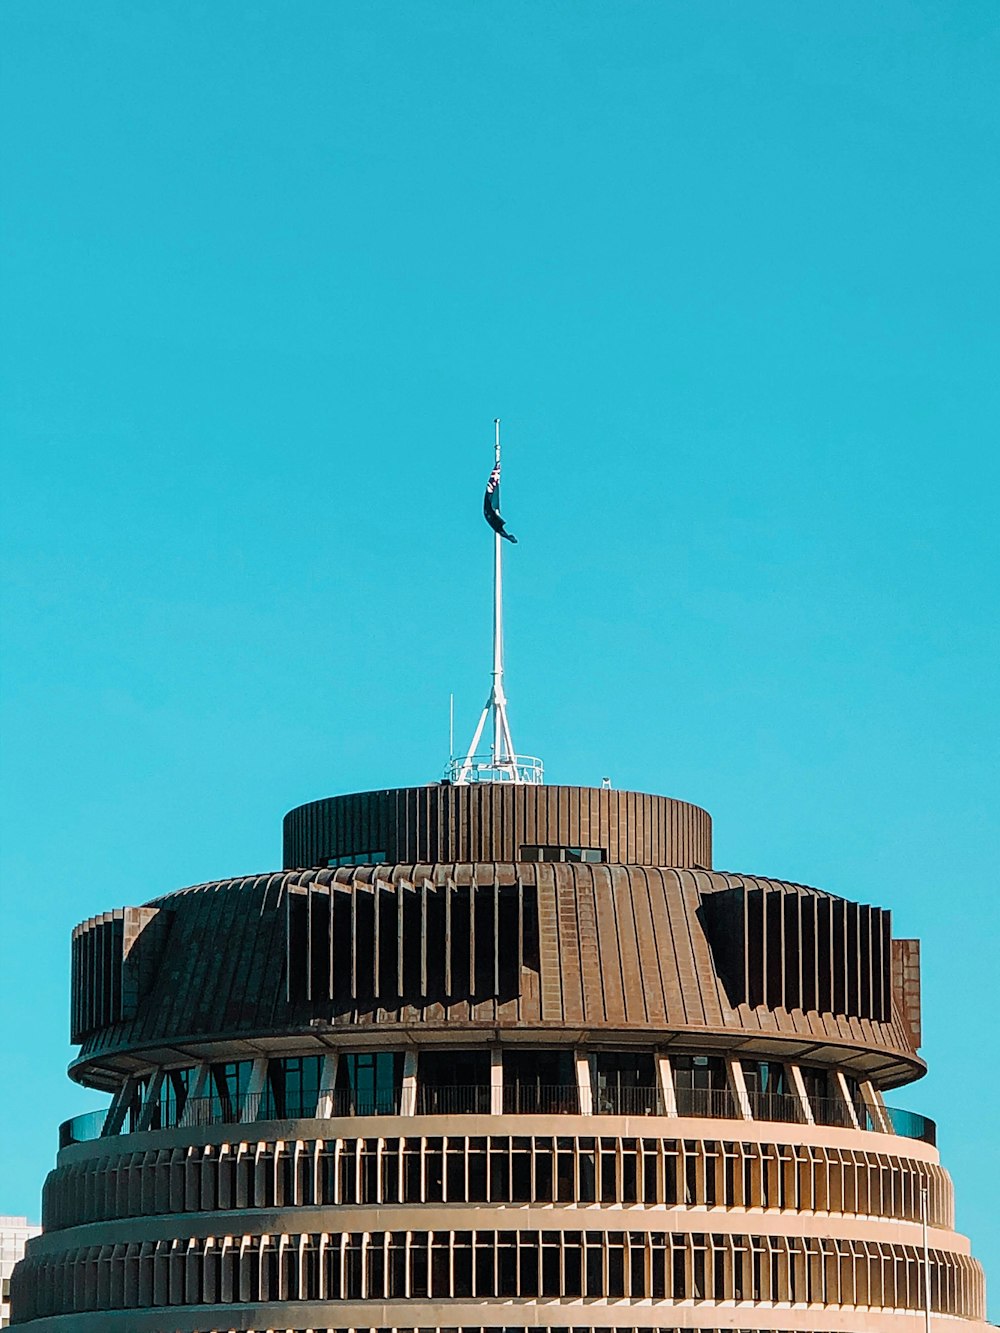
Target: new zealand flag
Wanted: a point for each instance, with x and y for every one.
(491, 506)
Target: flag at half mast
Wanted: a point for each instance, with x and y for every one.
(491, 506)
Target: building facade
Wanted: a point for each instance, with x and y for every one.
(15, 1232)
(496, 1057)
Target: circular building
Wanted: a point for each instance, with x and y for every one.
(497, 1056)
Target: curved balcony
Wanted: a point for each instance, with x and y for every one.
(911, 1125)
(697, 1103)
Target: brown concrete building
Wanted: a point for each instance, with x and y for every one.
(497, 1056)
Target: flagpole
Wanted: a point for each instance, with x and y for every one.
(503, 764)
(497, 698)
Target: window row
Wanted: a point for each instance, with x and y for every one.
(471, 1265)
(461, 1081)
(499, 1170)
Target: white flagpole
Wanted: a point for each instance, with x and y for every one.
(496, 695)
(504, 765)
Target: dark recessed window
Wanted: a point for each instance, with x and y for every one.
(533, 852)
(625, 1084)
(292, 1088)
(370, 1081)
(358, 859)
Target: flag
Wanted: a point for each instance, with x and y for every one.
(491, 506)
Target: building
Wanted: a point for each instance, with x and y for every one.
(497, 1056)
(15, 1232)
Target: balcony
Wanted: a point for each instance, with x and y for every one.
(701, 1103)
(910, 1125)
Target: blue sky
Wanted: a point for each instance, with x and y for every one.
(729, 274)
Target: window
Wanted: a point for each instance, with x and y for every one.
(358, 859)
(230, 1083)
(539, 1082)
(625, 1084)
(701, 1083)
(769, 1092)
(536, 852)
(292, 1087)
(370, 1082)
(453, 1082)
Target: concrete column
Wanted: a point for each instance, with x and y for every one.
(199, 1089)
(119, 1106)
(843, 1092)
(496, 1079)
(250, 1109)
(409, 1106)
(152, 1097)
(665, 1074)
(799, 1088)
(327, 1084)
(738, 1087)
(876, 1107)
(584, 1086)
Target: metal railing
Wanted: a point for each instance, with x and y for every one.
(778, 1106)
(523, 769)
(628, 1101)
(830, 1111)
(477, 1099)
(712, 1103)
(539, 1099)
(471, 1100)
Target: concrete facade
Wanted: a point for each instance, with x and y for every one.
(581, 1081)
(15, 1232)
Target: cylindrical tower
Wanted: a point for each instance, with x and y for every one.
(496, 1057)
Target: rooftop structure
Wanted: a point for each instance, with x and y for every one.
(489, 1055)
(497, 1056)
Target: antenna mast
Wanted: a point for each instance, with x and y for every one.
(502, 764)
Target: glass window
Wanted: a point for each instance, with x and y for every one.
(765, 1076)
(624, 1084)
(550, 852)
(292, 1088)
(375, 858)
(539, 1082)
(453, 1082)
(370, 1082)
(229, 1085)
(823, 1103)
(701, 1083)
(769, 1092)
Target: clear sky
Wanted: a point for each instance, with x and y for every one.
(729, 274)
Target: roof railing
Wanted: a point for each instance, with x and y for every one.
(523, 770)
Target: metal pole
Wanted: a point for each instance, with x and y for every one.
(927, 1259)
(497, 694)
